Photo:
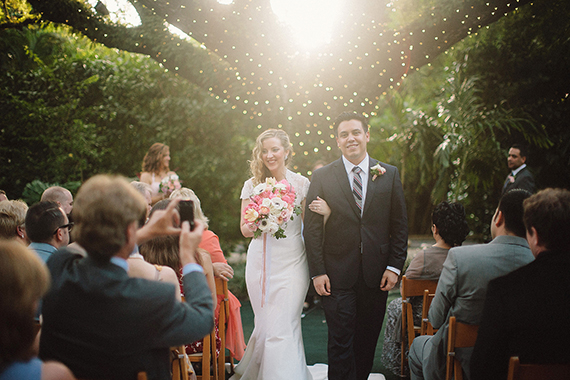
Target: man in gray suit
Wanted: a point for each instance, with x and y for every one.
(463, 284)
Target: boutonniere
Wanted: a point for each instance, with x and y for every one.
(377, 171)
(511, 179)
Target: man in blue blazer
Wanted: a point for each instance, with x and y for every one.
(463, 284)
(96, 319)
(356, 257)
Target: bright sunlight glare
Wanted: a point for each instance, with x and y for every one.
(120, 11)
(311, 21)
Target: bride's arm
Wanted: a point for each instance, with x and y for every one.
(245, 231)
(320, 206)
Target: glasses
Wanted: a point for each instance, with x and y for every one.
(69, 226)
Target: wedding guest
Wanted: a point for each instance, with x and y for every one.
(156, 172)
(449, 229)
(48, 228)
(13, 220)
(235, 341)
(526, 312)
(24, 279)
(3, 196)
(463, 284)
(59, 195)
(100, 322)
(163, 251)
(138, 266)
(146, 191)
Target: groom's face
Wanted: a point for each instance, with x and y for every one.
(351, 140)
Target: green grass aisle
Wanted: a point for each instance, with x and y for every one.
(315, 335)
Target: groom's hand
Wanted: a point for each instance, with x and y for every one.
(389, 279)
(322, 285)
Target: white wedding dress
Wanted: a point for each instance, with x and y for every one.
(277, 289)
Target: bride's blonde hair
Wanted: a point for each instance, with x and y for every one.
(258, 169)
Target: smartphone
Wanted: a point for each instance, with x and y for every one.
(186, 209)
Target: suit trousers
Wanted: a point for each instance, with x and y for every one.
(354, 318)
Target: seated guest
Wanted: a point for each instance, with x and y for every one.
(235, 341)
(48, 228)
(59, 195)
(449, 229)
(526, 311)
(163, 251)
(103, 324)
(463, 283)
(23, 281)
(13, 220)
(140, 268)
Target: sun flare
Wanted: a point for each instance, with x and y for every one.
(311, 21)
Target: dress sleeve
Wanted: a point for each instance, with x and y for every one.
(211, 243)
(247, 189)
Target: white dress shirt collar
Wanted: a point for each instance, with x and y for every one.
(517, 170)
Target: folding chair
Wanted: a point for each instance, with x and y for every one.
(411, 288)
(519, 371)
(459, 335)
(426, 327)
(224, 309)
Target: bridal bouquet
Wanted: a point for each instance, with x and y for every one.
(271, 205)
(168, 184)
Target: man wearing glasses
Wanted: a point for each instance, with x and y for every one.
(48, 228)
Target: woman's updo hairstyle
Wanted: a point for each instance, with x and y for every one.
(258, 169)
(449, 218)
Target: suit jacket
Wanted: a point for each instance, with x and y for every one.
(523, 180)
(349, 241)
(104, 325)
(461, 292)
(525, 314)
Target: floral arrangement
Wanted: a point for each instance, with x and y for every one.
(271, 205)
(168, 184)
(377, 171)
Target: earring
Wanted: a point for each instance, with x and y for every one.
(287, 156)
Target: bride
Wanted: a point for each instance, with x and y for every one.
(278, 285)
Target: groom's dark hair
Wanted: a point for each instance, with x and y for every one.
(346, 116)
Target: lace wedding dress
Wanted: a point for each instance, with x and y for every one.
(277, 286)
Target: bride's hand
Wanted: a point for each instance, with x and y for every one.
(320, 206)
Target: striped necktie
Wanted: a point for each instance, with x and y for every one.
(357, 186)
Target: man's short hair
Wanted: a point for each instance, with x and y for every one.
(548, 211)
(55, 194)
(511, 205)
(104, 208)
(522, 149)
(346, 116)
(142, 187)
(12, 216)
(42, 220)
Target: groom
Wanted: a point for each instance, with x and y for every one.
(356, 257)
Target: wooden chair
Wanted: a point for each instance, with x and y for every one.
(426, 327)
(519, 371)
(180, 363)
(222, 290)
(411, 288)
(207, 358)
(459, 335)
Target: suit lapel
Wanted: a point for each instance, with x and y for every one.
(342, 178)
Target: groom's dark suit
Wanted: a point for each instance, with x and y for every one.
(354, 251)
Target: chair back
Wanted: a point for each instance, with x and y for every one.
(411, 288)
(426, 326)
(459, 335)
(206, 358)
(224, 310)
(140, 376)
(518, 371)
(180, 363)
